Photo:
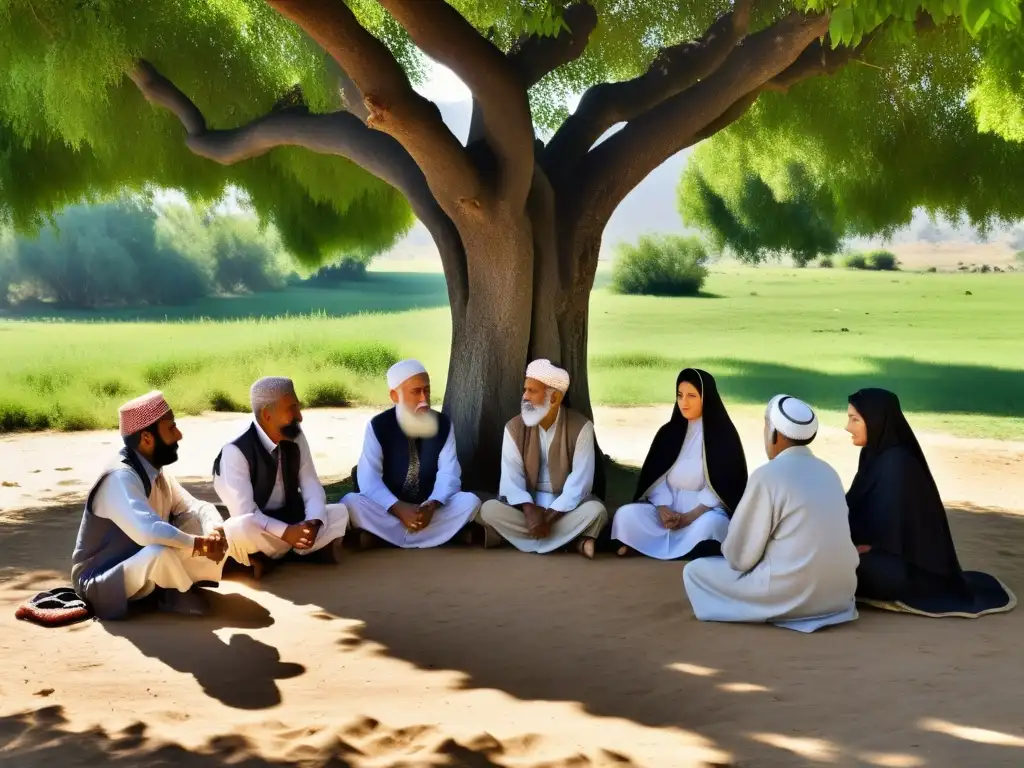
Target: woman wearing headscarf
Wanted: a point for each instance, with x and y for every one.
(691, 481)
(898, 522)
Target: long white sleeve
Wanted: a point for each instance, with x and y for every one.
(235, 489)
(708, 498)
(751, 525)
(314, 498)
(661, 494)
(449, 474)
(371, 472)
(512, 486)
(121, 498)
(580, 481)
(184, 503)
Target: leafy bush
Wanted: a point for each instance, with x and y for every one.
(857, 261)
(1019, 257)
(825, 262)
(883, 261)
(665, 265)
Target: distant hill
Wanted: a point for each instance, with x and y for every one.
(651, 207)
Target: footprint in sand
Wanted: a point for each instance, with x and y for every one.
(63, 469)
(10, 484)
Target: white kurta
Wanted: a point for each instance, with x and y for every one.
(682, 489)
(788, 558)
(586, 518)
(369, 508)
(165, 524)
(263, 533)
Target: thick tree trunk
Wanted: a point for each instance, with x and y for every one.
(518, 308)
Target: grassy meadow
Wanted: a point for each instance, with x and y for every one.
(949, 344)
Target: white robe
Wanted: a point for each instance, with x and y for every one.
(262, 533)
(369, 508)
(683, 488)
(788, 558)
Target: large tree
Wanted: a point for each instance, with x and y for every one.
(517, 220)
(934, 124)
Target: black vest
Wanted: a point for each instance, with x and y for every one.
(263, 475)
(395, 449)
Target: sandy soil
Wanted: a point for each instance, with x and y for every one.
(464, 657)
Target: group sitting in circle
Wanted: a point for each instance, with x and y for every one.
(785, 545)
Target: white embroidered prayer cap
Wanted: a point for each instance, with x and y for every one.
(792, 418)
(401, 372)
(268, 390)
(135, 415)
(549, 374)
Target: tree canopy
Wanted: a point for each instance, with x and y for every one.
(933, 122)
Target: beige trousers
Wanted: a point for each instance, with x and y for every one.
(586, 520)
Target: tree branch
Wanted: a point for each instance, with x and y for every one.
(339, 133)
(535, 56)
(393, 106)
(618, 164)
(673, 70)
(818, 59)
(443, 34)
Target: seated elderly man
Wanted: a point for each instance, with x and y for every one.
(409, 480)
(547, 472)
(266, 476)
(788, 556)
(142, 534)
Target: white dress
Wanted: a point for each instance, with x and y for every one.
(683, 488)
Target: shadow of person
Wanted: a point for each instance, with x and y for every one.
(240, 673)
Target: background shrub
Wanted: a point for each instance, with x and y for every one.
(663, 265)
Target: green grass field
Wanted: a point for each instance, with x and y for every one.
(949, 344)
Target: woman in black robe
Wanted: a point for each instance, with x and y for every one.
(687, 489)
(899, 524)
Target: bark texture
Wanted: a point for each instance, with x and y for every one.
(518, 224)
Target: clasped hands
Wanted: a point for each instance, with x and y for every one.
(674, 521)
(539, 520)
(414, 518)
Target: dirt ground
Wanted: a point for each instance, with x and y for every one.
(462, 657)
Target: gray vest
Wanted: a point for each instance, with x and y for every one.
(102, 546)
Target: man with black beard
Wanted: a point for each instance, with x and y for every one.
(266, 478)
(409, 480)
(142, 534)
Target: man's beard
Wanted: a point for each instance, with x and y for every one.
(291, 431)
(535, 414)
(163, 453)
(416, 422)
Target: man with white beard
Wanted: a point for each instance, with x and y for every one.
(545, 499)
(408, 477)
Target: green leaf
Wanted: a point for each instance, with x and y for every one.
(840, 27)
(975, 14)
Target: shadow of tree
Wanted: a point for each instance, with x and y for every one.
(922, 386)
(42, 738)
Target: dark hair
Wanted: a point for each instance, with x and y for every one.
(133, 441)
(800, 443)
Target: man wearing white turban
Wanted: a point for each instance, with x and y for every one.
(266, 477)
(545, 499)
(408, 480)
(788, 558)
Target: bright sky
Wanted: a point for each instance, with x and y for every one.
(443, 85)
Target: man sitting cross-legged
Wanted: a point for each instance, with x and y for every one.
(408, 475)
(267, 473)
(547, 472)
(143, 534)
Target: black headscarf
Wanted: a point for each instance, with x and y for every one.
(894, 502)
(723, 451)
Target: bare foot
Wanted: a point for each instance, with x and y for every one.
(586, 546)
(624, 551)
(261, 565)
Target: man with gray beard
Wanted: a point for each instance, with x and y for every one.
(409, 486)
(545, 500)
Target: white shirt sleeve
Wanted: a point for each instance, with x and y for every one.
(580, 481)
(707, 497)
(751, 526)
(121, 498)
(513, 476)
(449, 474)
(314, 498)
(371, 472)
(661, 494)
(235, 489)
(184, 503)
